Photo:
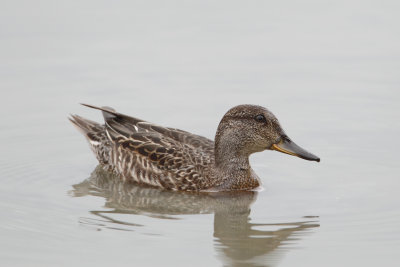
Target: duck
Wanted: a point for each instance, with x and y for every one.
(148, 154)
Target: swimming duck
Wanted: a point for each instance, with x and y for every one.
(146, 153)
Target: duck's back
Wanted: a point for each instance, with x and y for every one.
(146, 153)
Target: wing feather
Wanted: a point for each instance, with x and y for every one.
(167, 157)
(123, 125)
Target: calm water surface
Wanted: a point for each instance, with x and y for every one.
(328, 70)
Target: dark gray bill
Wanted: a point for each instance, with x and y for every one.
(289, 147)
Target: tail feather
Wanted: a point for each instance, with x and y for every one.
(92, 130)
(96, 136)
(83, 125)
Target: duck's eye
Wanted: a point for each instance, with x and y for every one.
(260, 118)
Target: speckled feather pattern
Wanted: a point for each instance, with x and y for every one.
(146, 153)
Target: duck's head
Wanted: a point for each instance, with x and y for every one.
(246, 129)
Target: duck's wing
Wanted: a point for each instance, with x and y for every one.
(162, 161)
(120, 125)
(155, 155)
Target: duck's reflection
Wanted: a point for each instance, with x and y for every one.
(237, 241)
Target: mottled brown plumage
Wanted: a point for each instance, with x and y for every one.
(146, 153)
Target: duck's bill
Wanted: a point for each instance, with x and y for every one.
(289, 147)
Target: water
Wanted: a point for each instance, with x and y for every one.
(328, 70)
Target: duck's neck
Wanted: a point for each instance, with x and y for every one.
(230, 157)
(232, 164)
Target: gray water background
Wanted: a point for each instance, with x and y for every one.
(329, 70)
